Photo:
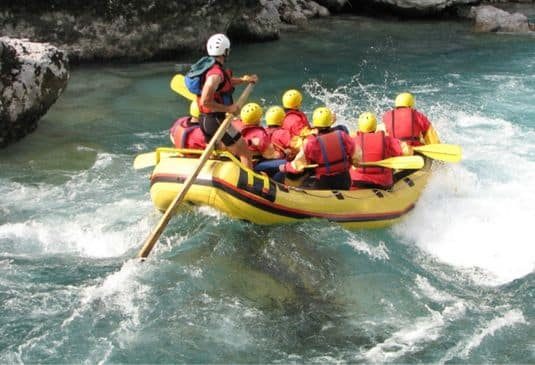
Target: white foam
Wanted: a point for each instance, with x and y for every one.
(103, 160)
(89, 215)
(433, 293)
(413, 336)
(464, 348)
(478, 214)
(379, 252)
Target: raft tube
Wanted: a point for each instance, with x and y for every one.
(225, 184)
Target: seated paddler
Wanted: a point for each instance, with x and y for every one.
(186, 133)
(256, 137)
(281, 140)
(375, 145)
(330, 153)
(409, 124)
(295, 121)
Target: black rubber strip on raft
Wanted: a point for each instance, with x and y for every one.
(268, 206)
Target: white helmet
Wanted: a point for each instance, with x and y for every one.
(218, 45)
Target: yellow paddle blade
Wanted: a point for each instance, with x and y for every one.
(178, 85)
(440, 151)
(145, 160)
(149, 159)
(398, 163)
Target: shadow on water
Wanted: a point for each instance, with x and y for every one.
(290, 279)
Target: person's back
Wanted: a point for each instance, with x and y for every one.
(280, 138)
(375, 146)
(254, 134)
(408, 124)
(295, 121)
(332, 150)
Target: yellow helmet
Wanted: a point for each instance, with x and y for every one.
(251, 114)
(404, 100)
(292, 99)
(322, 117)
(194, 109)
(367, 122)
(274, 116)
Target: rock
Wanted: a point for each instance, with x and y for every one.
(318, 10)
(491, 19)
(261, 24)
(421, 7)
(32, 77)
(334, 5)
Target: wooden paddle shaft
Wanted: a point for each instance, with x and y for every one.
(153, 238)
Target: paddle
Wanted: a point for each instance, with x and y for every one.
(398, 163)
(441, 152)
(178, 85)
(153, 238)
(149, 159)
(145, 160)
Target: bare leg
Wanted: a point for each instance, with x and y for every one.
(240, 149)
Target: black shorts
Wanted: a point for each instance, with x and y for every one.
(340, 181)
(210, 124)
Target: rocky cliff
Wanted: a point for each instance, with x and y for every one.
(155, 29)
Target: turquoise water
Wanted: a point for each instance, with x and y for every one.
(451, 283)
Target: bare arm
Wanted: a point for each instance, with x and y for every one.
(207, 96)
(244, 79)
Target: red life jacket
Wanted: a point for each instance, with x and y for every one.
(400, 123)
(373, 146)
(186, 135)
(295, 121)
(334, 156)
(250, 132)
(223, 93)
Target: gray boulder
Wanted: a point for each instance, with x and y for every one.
(32, 77)
(417, 7)
(261, 23)
(491, 19)
(335, 5)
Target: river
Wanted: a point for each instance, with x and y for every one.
(453, 282)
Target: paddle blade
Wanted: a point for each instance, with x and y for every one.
(440, 151)
(398, 163)
(178, 85)
(150, 159)
(145, 160)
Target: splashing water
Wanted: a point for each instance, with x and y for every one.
(453, 282)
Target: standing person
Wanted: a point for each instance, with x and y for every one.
(332, 150)
(375, 146)
(186, 133)
(408, 124)
(216, 98)
(295, 121)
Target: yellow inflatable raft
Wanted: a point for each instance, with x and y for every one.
(225, 184)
